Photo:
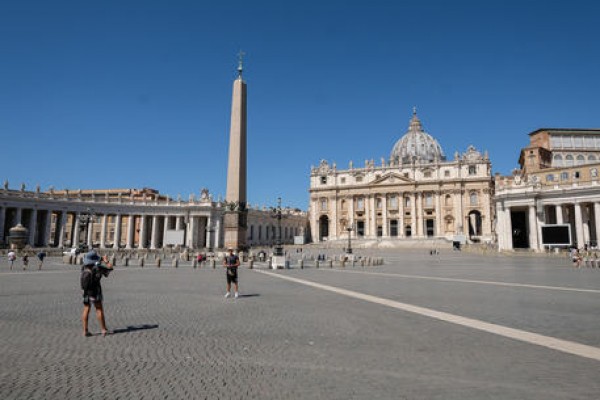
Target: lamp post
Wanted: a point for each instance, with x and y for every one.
(349, 229)
(86, 218)
(277, 214)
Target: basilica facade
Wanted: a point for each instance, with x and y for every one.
(417, 193)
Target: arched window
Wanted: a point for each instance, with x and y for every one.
(448, 200)
(580, 160)
(591, 158)
(569, 160)
(473, 198)
(558, 160)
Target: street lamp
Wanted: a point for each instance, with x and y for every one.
(349, 228)
(277, 214)
(86, 218)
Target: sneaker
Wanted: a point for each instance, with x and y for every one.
(227, 295)
(236, 295)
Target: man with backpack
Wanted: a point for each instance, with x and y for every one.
(231, 262)
(41, 255)
(91, 273)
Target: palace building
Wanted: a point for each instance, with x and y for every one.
(417, 193)
(557, 184)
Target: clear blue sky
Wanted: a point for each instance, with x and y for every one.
(138, 93)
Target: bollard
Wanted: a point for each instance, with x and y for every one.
(175, 262)
(213, 264)
(126, 261)
(301, 263)
(142, 262)
(158, 263)
(330, 263)
(195, 264)
(317, 264)
(113, 260)
(251, 264)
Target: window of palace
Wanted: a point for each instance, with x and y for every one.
(360, 203)
(448, 200)
(428, 200)
(407, 201)
(564, 176)
(343, 180)
(446, 173)
(427, 174)
(558, 160)
(473, 198)
(594, 172)
(580, 160)
(359, 179)
(550, 178)
(323, 180)
(576, 175)
(344, 205)
(591, 158)
(569, 160)
(393, 202)
(378, 203)
(472, 170)
(323, 204)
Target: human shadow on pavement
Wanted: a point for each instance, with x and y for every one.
(133, 328)
(243, 296)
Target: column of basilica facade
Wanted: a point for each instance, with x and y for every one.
(415, 194)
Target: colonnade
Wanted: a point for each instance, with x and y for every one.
(582, 216)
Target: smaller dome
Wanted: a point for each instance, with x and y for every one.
(417, 145)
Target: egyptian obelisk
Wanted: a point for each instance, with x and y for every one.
(236, 210)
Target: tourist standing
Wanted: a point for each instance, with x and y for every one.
(41, 255)
(231, 262)
(11, 258)
(25, 261)
(91, 273)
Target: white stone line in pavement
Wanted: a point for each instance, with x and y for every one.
(565, 346)
(436, 278)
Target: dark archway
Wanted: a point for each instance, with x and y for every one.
(323, 228)
(474, 223)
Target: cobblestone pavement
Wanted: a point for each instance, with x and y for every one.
(177, 337)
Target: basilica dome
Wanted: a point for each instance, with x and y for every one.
(417, 145)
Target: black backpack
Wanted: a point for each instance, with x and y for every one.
(88, 279)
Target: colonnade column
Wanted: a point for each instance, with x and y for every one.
(76, 230)
(178, 221)
(103, 231)
(47, 228)
(586, 224)
(351, 211)
(334, 219)
(143, 237)
(18, 216)
(508, 228)
(165, 229)
(154, 237)
(90, 233)
(117, 237)
(559, 214)
(218, 234)
(130, 228)
(62, 229)
(209, 228)
(578, 225)
(32, 227)
(533, 230)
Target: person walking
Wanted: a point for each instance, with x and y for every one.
(25, 261)
(91, 273)
(41, 255)
(231, 262)
(11, 258)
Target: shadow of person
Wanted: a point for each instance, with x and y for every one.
(249, 295)
(133, 328)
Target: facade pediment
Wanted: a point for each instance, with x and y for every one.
(391, 178)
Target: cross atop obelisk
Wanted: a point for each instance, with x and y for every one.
(235, 199)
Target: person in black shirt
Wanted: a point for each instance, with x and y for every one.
(231, 262)
(91, 273)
